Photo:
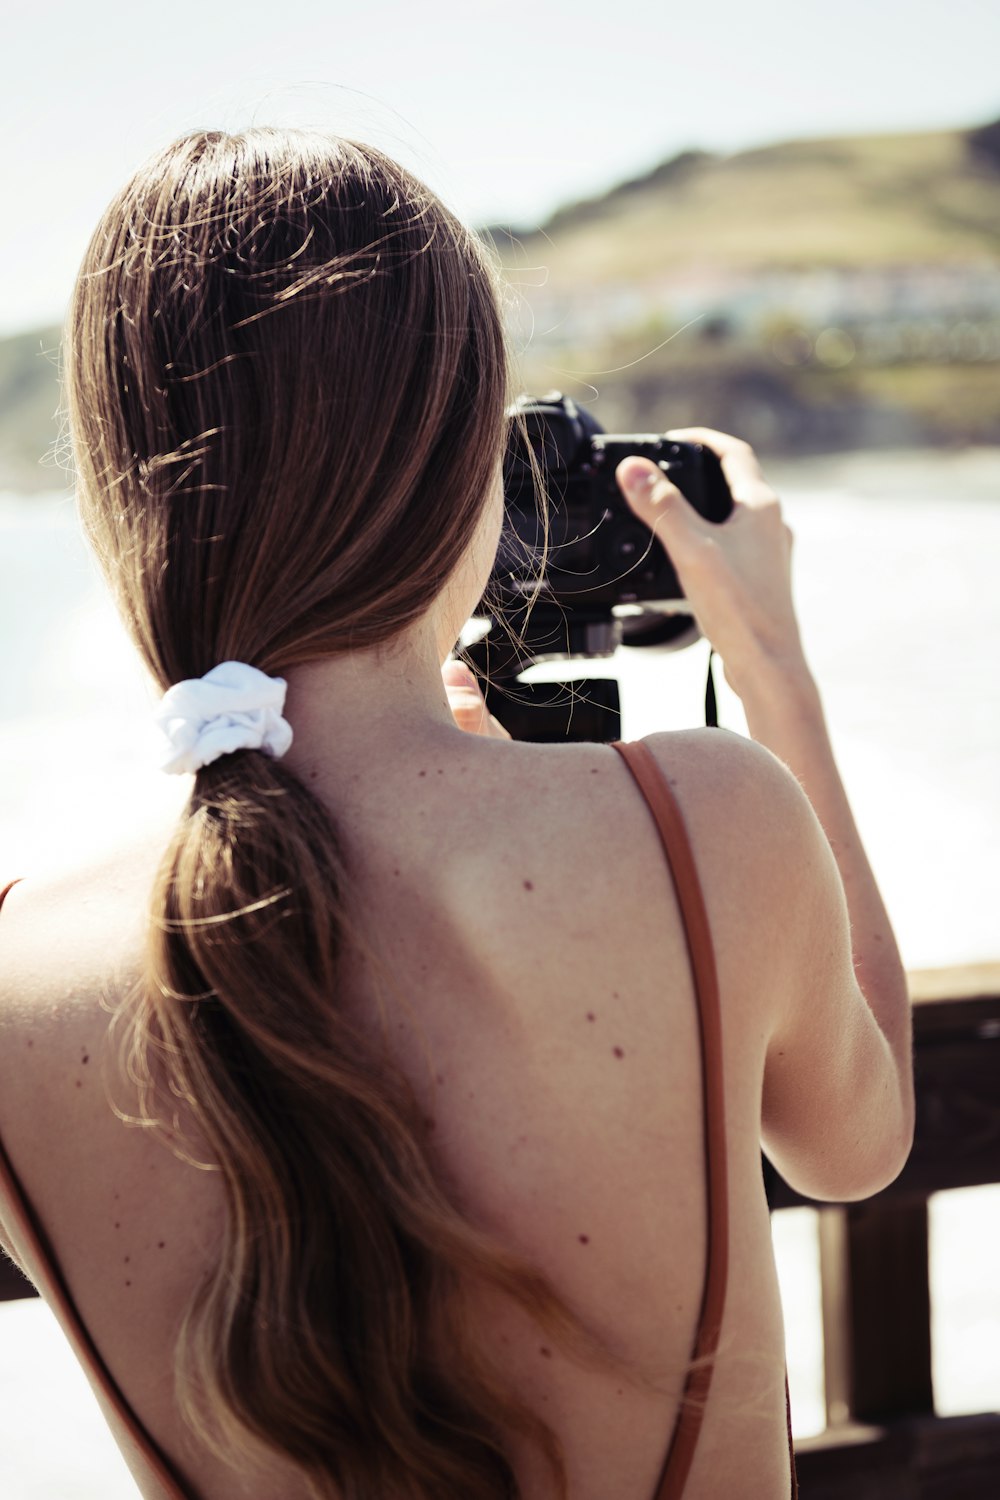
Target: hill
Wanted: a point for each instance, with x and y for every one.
(29, 399)
(931, 198)
(812, 295)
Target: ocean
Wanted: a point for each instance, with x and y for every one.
(897, 562)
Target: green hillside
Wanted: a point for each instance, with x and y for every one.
(703, 293)
(693, 239)
(928, 198)
(29, 399)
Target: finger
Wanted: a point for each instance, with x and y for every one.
(467, 708)
(471, 715)
(467, 703)
(651, 494)
(740, 464)
(457, 674)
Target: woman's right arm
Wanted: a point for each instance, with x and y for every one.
(838, 1085)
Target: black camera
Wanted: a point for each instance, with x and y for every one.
(606, 579)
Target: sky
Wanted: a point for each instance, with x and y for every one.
(508, 111)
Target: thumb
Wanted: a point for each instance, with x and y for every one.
(654, 499)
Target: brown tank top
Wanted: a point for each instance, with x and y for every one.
(151, 1469)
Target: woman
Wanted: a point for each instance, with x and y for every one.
(453, 1094)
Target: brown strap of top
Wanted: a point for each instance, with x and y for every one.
(677, 847)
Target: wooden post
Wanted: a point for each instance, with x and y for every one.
(876, 1311)
(835, 1289)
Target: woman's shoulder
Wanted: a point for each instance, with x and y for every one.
(721, 762)
(59, 942)
(60, 925)
(754, 838)
(745, 813)
(69, 937)
(564, 852)
(731, 786)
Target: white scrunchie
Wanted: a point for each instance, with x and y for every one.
(233, 707)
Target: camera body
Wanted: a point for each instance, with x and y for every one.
(600, 554)
(606, 580)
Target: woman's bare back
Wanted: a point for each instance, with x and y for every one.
(545, 1013)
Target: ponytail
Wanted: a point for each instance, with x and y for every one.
(309, 1333)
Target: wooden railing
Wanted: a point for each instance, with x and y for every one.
(883, 1440)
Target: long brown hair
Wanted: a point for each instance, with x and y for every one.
(287, 385)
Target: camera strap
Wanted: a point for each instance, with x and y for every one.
(711, 706)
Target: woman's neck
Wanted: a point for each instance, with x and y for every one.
(353, 713)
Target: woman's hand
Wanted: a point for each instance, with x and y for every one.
(467, 703)
(737, 575)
